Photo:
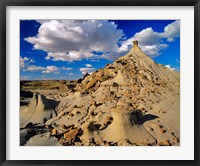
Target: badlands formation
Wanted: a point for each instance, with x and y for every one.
(131, 102)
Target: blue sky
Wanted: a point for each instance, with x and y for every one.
(67, 49)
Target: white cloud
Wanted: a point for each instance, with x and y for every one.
(172, 31)
(32, 61)
(69, 40)
(88, 65)
(154, 50)
(42, 21)
(170, 67)
(150, 41)
(70, 56)
(87, 70)
(25, 61)
(51, 69)
(73, 40)
(34, 68)
(149, 37)
(46, 70)
(71, 74)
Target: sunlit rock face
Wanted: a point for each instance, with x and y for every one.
(133, 101)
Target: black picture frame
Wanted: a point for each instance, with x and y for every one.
(5, 3)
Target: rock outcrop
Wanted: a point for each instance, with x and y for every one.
(133, 101)
(39, 110)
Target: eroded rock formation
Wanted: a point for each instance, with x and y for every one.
(133, 101)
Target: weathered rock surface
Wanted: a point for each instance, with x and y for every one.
(133, 101)
(39, 110)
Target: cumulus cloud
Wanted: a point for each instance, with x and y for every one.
(70, 56)
(87, 70)
(25, 61)
(51, 69)
(32, 61)
(172, 31)
(154, 50)
(69, 40)
(47, 69)
(150, 41)
(73, 40)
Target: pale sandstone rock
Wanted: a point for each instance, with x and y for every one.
(124, 104)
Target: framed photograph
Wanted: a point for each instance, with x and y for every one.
(100, 83)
